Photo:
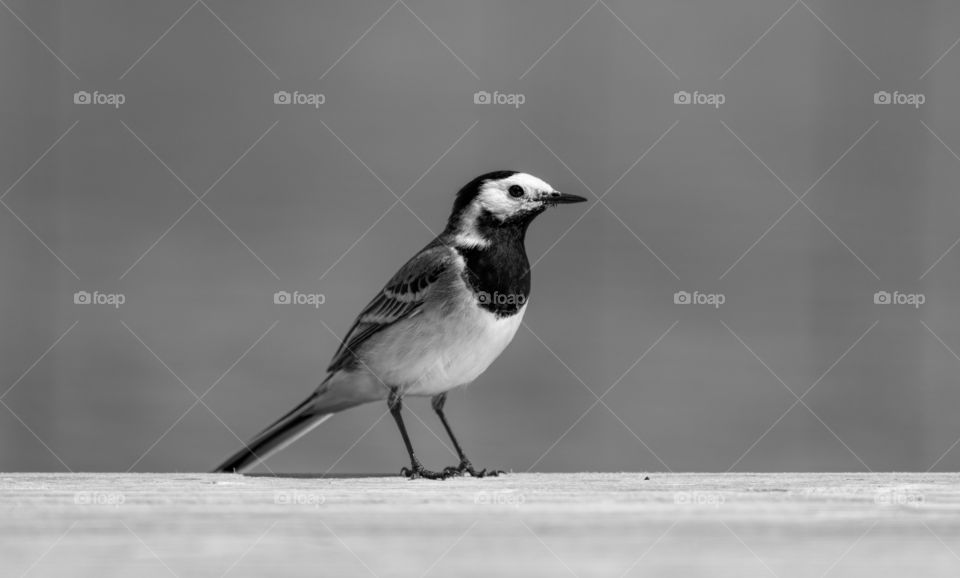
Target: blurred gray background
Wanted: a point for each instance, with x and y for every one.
(303, 198)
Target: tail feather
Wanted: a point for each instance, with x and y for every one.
(340, 391)
(283, 432)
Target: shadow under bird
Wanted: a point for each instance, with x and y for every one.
(436, 325)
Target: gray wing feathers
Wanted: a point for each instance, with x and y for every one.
(401, 298)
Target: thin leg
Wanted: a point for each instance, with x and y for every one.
(465, 465)
(416, 469)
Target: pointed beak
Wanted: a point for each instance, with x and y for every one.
(558, 198)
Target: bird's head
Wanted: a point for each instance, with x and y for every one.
(501, 200)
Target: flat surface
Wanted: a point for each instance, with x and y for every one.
(147, 525)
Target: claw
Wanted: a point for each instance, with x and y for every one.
(487, 473)
(418, 471)
(421, 472)
(466, 467)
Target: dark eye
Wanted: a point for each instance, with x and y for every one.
(515, 191)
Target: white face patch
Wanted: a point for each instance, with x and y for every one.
(495, 195)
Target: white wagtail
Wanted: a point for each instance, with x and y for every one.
(437, 324)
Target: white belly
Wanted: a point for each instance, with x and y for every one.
(436, 352)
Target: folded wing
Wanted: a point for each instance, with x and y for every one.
(401, 298)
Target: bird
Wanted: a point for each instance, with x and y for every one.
(436, 325)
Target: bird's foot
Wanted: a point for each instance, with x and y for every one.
(466, 467)
(418, 471)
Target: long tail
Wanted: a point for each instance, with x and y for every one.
(282, 433)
